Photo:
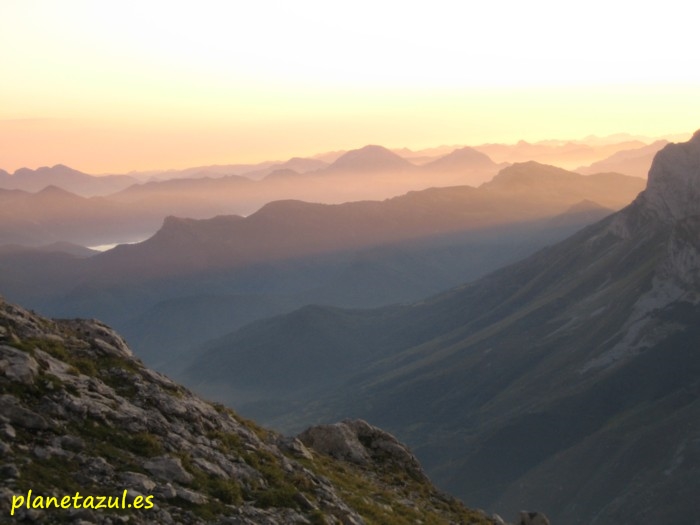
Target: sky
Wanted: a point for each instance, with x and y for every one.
(116, 86)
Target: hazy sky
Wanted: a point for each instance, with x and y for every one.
(111, 86)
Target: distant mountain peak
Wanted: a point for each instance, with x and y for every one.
(54, 191)
(673, 188)
(371, 158)
(464, 155)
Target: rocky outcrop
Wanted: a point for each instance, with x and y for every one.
(673, 188)
(532, 518)
(78, 413)
(666, 214)
(359, 442)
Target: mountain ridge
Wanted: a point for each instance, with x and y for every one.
(370, 158)
(324, 227)
(529, 370)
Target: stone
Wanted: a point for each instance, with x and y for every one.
(532, 518)
(137, 481)
(209, 468)
(165, 491)
(191, 496)
(336, 440)
(17, 365)
(71, 443)
(296, 448)
(498, 520)
(8, 431)
(168, 468)
(359, 442)
(20, 416)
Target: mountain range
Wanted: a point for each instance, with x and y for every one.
(290, 229)
(565, 380)
(565, 154)
(65, 178)
(292, 253)
(65, 207)
(114, 209)
(635, 162)
(569, 380)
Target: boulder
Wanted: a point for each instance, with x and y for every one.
(531, 518)
(17, 365)
(359, 442)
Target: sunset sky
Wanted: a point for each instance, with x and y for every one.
(136, 85)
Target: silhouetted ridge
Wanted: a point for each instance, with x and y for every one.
(463, 157)
(370, 158)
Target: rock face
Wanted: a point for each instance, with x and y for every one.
(78, 413)
(673, 190)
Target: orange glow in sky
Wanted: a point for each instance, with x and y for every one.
(135, 85)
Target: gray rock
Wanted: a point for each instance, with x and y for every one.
(168, 468)
(44, 453)
(209, 468)
(8, 431)
(17, 365)
(69, 442)
(532, 518)
(191, 496)
(137, 481)
(295, 447)
(359, 442)
(166, 491)
(337, 440)
(20, 416)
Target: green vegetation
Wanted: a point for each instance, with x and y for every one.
(377, 495)
(220, 491)
(117, 445)
(46, 474)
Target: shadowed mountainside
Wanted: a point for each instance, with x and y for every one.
(569, 378)
(288, 229)
(293, 253)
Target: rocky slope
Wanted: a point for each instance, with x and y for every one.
(78, 413)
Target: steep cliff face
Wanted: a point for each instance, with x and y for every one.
(673, 189)
(79, 415)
